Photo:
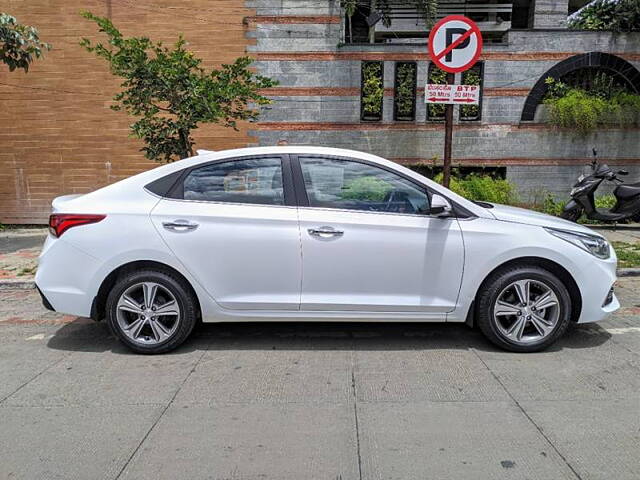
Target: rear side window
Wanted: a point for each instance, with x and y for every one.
(253, 181)
(345, 184)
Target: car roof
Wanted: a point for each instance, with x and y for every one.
(142, 179)
(308, 149)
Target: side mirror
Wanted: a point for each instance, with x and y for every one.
(623, 172)
(440, 206)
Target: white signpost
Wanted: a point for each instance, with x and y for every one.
(455, 44)
(452, 94)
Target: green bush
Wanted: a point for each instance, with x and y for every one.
(550, 205)
(482, 188)
(372, 90)
(471, 77)
(605, 201)
(583, 111)
(435, 111)
(405, 91)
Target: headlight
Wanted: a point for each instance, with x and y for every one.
(595, 245)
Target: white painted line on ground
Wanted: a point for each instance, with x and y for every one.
(37, 336)
(622, 330)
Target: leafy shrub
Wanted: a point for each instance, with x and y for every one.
(582, 111)
(471, 77)
(435, 111)
(405, 90)
(605, 201)
(366, 188)
(550, 205)
(372, 90)
(482, 188)
(616, 15)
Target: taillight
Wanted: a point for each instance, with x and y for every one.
(61, 222)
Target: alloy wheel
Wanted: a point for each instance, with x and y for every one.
(148, 313)
(526, 311)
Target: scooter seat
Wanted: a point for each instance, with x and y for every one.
(627, 190)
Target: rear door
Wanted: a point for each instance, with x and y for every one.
(234, 226)
(369, 243)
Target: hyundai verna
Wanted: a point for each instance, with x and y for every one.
(319, 234)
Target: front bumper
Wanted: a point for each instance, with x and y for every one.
(596, 280)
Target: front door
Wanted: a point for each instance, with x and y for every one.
(235, 228)
(369, 244)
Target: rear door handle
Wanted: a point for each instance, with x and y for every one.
(325, 232)
(180, 226)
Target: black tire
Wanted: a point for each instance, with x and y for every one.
(184, 297)
(572, 215)
(501, 279)
(636, 218)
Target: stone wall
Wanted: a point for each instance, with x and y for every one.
(59, 135)
(318, 99)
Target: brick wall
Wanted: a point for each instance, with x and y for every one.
(57, 132)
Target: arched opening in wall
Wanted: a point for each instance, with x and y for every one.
(596, 78)
(583, 71)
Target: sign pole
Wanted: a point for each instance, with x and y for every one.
(448, 137)
(454, 45)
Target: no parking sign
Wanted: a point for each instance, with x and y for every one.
(455, 43)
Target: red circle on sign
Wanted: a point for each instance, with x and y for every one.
(473, 27)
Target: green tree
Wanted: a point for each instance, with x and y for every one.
(170, 92)
(19, 44)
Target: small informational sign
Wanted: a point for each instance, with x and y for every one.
(452, 94)
(455, 43)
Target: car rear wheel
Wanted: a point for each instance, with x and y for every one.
(151, 311)
(523, 309)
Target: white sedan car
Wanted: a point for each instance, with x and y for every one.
(282, 233)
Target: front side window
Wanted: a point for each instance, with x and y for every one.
(254, 181)
(346, 184)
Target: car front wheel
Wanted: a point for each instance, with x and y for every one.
(523, 309)
(151, 311)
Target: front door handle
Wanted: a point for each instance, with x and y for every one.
(180, 226)
(325, 232)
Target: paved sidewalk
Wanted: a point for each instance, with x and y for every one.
(19, 250)
(317, 401)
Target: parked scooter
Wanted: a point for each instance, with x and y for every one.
(627, 205)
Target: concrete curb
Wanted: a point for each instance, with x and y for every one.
(13, 284)
(16, 284)
(628, 272)
(618, 228)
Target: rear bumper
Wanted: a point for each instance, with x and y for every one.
(64, 278)
(45, 302)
